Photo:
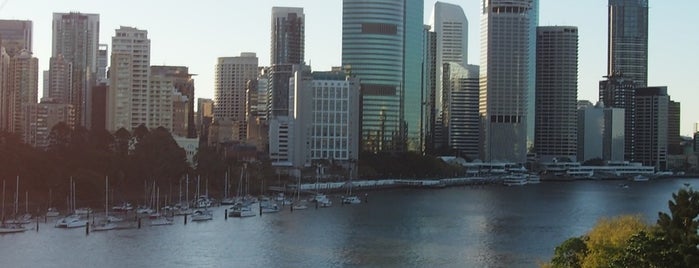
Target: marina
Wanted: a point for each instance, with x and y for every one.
(465, 226)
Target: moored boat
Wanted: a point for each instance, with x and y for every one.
(239, 210)
(351, 200)
(52, 212)
(72, 221)
(515, 180)
(9, 228)
(202, 215)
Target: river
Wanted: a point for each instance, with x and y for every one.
(484, 226)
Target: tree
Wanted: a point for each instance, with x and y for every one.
(680, 227)
(646, 249)
(570, 253)
(608, 239)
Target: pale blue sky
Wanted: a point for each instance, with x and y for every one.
(195, 33)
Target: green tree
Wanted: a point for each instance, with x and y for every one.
(680, 227)
(570, 253)
(646, 250)
(608, 239)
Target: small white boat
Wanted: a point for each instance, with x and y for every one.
(52, 212)
(145, 210)
(72, 221)
(640, 178)
(322, 200)
(300, 205)
(269, 207)
(515, 180)
(241, 211)
(353, 200)
(159, 221)
(126, 206)
(104, 226)
(228, 201)
(8, 228)
(83, 211)
(202, 215)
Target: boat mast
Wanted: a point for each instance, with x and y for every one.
(17, 196)
(106, 196)
(72, 194)
(3, 202)
(187, 191)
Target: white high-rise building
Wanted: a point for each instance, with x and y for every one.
(161, 96)
(128, 98)
(323, 120)
(450, 25)
(231, 78)
(506, 86)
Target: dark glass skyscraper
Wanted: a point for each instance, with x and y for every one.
(628, 40)
(287, 50)
(556, 92)
(382, 44)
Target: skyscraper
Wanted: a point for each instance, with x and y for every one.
(450, 25)
(413, 95)
(618, 92)
(23, 87)
(628, 40)
(231, 77)
(600, 133)
(651, 115)
(674, 140)
(460, 121)
(382, 46)
(128, 97)
(183, 83)
(288, 24)
(505, 73)
(15, 36)
(16, 67)
(76, 39)
(102, 63)
(556, 92)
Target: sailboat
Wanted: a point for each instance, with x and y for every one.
(106, 224)
(156, 219)
(202, 214)
(241, 208)
(351, 199)
(226, 188)
(321, 199)
(51, 211)
(25, 218)
(6, 228)
(74, 220)
(298, 203)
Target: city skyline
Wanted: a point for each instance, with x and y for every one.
(323, 27)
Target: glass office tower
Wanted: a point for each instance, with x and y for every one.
(382, 46)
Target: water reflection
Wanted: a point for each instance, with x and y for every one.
(466, 227)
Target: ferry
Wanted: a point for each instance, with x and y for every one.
(515, 180)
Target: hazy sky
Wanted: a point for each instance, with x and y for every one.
(195, 33)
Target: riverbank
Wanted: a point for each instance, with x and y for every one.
(364, 185)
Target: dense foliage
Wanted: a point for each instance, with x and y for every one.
(88, 157)
(135, 161)
(626, 241)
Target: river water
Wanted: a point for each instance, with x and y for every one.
(485, 226)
